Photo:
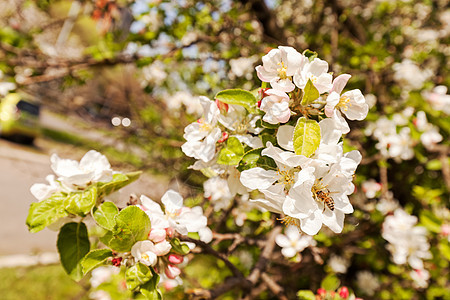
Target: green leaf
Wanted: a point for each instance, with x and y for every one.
(73, 244)
(306, 295)
(119, 181)
(239, 97)
(41, 214)
(81, 203)
(310, 54)
(253, 159)
(330, 283)
(179, 247)
(430, 221)
(306, 137)
(104, 215)
(150, 289)
(94, 259)
(444, 247)
(310, 93)
(137, 275)
(132, 225)
(232, 153)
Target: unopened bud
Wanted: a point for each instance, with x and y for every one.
(224, 137)
(343, 292)
(175, 259)
(321, 292)
(172, 271)
(157, 235)
(223, 107)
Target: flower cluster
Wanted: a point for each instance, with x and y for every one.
(395, 137)
(72, 175)
(407, 243)
(283, 141)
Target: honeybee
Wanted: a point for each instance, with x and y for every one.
(324, 196)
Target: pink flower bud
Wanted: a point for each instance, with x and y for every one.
(175, 259)
(170, 231)
(224, 137)
(172, 271)
(157, 235)
(321, 292)
(343, 292)
(445, 230)
(223, 107)
(162, 248)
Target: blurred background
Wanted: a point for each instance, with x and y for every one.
(123, 77)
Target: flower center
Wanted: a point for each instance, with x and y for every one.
(282, 70)
(313, 79)
(286, 177)
(144, 256)
(287, 221)
(344, 103)
(203, 125)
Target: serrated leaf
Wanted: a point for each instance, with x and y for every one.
(178, 247)
(253, 159)
(330, 283)
(150, 289)
(119, 181)
(238, 97)
(306, 137)
(104, 215)
(310, 93)
(94, 259)
(41, 214)
(306, 295)
(232, 153)
(73, 244)
(81, 203)
(310, 54)
(132, 225)
(137, 275)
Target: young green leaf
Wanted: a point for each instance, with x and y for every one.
(137, 275)
(178, 247)
(81, 203)
(73, 244)
(104, 215)
(119, 181)
(306, 137)
(232, 153)
(41, 214)
(253, 159)
(239, 97)
(306, 295)
(330, 283)
(150, 289)
(94, 259)
(310, 93)
(132, 225)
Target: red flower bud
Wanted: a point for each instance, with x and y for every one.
(175, 259)
(343, 292)
(117, 261)
(224, 137)
(321, 292)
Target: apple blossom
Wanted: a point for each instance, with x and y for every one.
(367, 282)
(292, 242)
(317, 72)
(276, 107)
(279, 65)
(144, 252)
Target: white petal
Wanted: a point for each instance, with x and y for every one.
(285, 137)
(333, 220)
(340, 82)
(312, 224)
(172, 201)
(288, 252)
(258, 178)
(282, 241)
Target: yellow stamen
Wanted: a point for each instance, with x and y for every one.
(282, 70)
(344, 102)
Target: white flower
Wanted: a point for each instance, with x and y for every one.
(5, 87)
(338, 264)
(102, 274)
(420, 277)
(317, 72)
(243, 65)
(409, 75)
(430, 138)
(201, 136)
(176, 216)
(144, 252)
(407, 243)
(352, 104)
(43, 191)
(371, 188)
(293, 242)
(276, 107)
(438, 98)
(387, 203)
(93, 167)
(154, 73)
(367, 282)
(279, 65)
(216, 189)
